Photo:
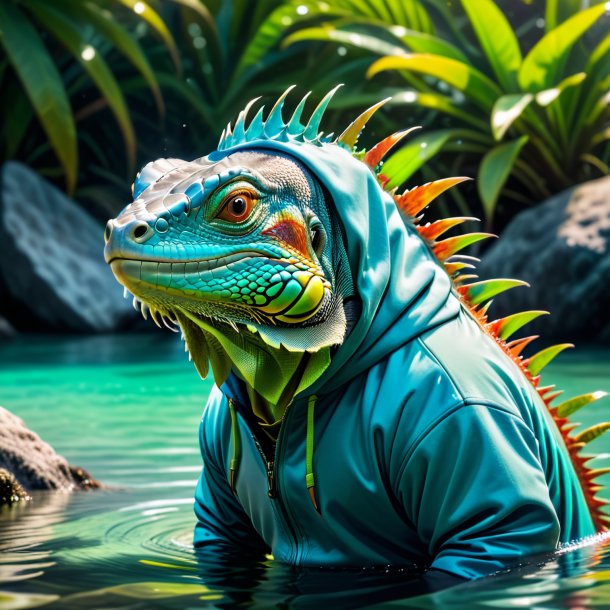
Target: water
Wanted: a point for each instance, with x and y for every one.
(127, 409)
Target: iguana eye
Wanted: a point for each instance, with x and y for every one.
(237, 207)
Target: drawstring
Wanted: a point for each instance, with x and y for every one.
(309, 441)
(236, 436)
(309, 476)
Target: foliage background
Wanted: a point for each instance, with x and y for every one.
(515, 93)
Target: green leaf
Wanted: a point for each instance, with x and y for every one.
(408, 159)
(566, 408)
(474, 84)
(70, 35)
(497, 39)
(107, 26)
(495, 168)
(420, 42)
(43, 85)
(146, 13)
(273, 28)
(547, 96)
(22, 115)
(542, 64)
(558, 11)
(329, 33)
(439, 102)
(507, 110)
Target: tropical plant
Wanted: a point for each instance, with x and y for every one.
(233, 54)
(542, 119)
(52, 53)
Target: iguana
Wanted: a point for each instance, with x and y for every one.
(365, 410)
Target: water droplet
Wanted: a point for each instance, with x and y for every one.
(199, 42)
(194, 29)
(286, 20)
(341, 51)
(88, 53)
(540, 23)
(139, 8)
(302, 10)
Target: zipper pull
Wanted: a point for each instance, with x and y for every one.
(270, 480)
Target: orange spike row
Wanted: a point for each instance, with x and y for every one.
(432, 230)
(538, 361)
(448, 247)
(518, 345)
(551, 396)
(412, 202)
(349, 137)
(454, 267)
(374, 156)
(459, 279)
(479, 292)
(506, 327)
(382, 179)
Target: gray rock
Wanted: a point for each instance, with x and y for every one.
(11, 491)
(33, 463)
(562, 249)
(52, 266)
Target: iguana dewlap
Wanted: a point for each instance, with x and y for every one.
(365, 411)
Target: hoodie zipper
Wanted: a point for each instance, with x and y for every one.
(272, 491)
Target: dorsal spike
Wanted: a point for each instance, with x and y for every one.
(586, 436)
(508, 326)
(551, 396)
(275, 122)
(374, 156)
(435, 229)
(538, 361)
(412, 202)
(448, 247)
(518, 345)
(239, 131)
(479, 292)
(349, 137)
(257, 125)
(566, 408)
(312, 127)
(452, 268)
(295, 127)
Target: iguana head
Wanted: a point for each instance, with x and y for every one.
(272, 245)
(240, 241)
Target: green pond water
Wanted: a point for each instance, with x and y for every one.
(127, 409)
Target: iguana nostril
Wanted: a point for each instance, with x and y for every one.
(108, 231)
(161, 225)
(141, 232)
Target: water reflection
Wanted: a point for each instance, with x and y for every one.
(128, 412)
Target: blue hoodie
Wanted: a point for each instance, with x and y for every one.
(430, 447)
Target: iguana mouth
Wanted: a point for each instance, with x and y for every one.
(278, 291)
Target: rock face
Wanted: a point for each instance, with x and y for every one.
(10, 490)
(562, 249)
(52, 272)
(33, 463)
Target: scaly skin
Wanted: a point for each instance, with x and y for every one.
(236, 252)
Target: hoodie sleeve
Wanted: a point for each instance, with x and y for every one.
(222, 524)
(475, 490)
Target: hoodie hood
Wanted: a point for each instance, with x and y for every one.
(404, 290)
